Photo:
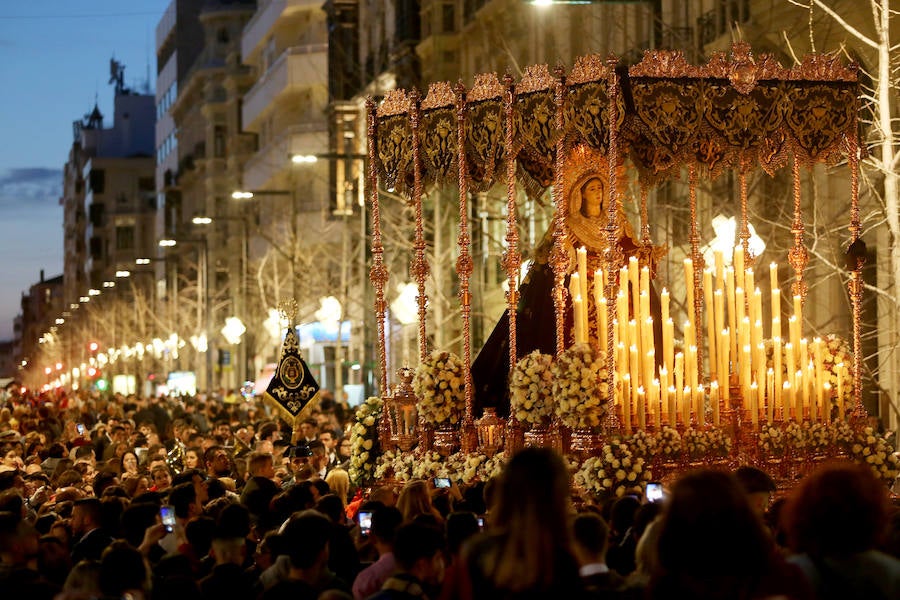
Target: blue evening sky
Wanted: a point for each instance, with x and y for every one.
(54, 64)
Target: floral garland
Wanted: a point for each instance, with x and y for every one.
(364, 447)
(668, 443)
(616, 471)
(874, 450)
(428, 465)
(530, 388)
(579, 390)
(771, 441)
(439, 384)
(706, 443)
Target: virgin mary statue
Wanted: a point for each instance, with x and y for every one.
(588, 215)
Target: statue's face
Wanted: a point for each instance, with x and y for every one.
(592, 199)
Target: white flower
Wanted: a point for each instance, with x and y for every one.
(438, 384)
(580, 388)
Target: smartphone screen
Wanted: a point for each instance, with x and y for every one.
(441, 482)
(167, 514)
(654, 492)
(480, 522)
(365, 522)
(80, 428)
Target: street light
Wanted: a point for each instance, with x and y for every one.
(123, 273)
(142, 261)
(241, 309)
(203, 276)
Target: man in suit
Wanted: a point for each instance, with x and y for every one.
(591, 535)
(86, 521)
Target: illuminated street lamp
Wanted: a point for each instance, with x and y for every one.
(123, 273)
(142, 261)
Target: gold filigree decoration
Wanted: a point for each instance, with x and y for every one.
(537, 78)
(487, 86)
(440, 94)
(589, 68)
(395, 102)
(438, 144)
(670, 64)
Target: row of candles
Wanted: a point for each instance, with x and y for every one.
(736, 352)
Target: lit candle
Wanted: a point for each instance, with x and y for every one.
(633, 280)
(840, 389)
(714, 401)
(776, 367)
(653, 400)
(746, 373)
(641, 408)
(776, 313)
(687, 398)
(578, 317)
(732, 316)
(664, 305)
(791, 374)
(773, 278)
(645, 280)
(749, 281)
(719, 261)
(719, 310)
(634, 366)
(679, 381)
(622, 317)
(739, 305)
(602, 328)
(788, 393)
(644, 314)
(694, 369)
(725, 348)
(669, 345)
(689, 287)
(582, 271)
(770, 395)
(823, 408)
(813, 391)
(754, 404)
(802, 394)
(626, 402)
(649, 363)
(710, 321)
(826, 389)
(672, 395)
(738, 261)
(664, 385)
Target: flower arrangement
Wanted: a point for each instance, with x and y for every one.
(843, 434)
(531, 388)
(874, 450)
(838, 363)
(579, 386)
(771, 441)
(396, 465)
(706, 443)
(428, 465)
(668, 443)
(616, 471)
(794, 437)
(820, 437)
(643, 444)
(439, 384)
(364, 447)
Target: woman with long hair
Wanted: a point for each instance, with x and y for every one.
(713, 546)
(415, 500)
(528, 550)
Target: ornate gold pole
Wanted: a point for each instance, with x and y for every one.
(464, 266)
(612, 240)
(511, 258)
(646, 242)
(744, 233)
(797, 255)
(378, 274)
(419, 269)
(697, 259)
(855, 283)
(558, 257)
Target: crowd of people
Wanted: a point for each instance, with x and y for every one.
(169, 498)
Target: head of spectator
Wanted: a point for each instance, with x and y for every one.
(460, 527)
(162, 478)
(309, 429)
(183, 498)
(344, 448)
(86, 516)
(305, 537)
(123, 571)
(591, 536)
(332, 507)
(758, 486)
(261, 464)
(135, 486)
(218, 463)
(83, 581)
(19, 545)
(197, 478)
(531, 519)
(419, 552)
(338, 481)
(128, 464)
(709, 539)
(414, 500)
(192, 458)
(837, 511)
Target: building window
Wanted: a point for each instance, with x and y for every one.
(97, 180)
(219, 141)
(124, 237)
(448, 18)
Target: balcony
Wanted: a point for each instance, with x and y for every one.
(307, 138)
(297, 68)
(267, 15)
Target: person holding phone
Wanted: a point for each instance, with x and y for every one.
(385, 520)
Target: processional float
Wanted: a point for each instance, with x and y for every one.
(616, 383)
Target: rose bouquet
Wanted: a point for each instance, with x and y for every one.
(702, 444)
(771, 441)
(643, 444)
(668, 443)
(820, 437)
(874, 450)
(531, 389)
(794, 437)
(616, 471)
(439, 384)
(364, 447)
(579, 387)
